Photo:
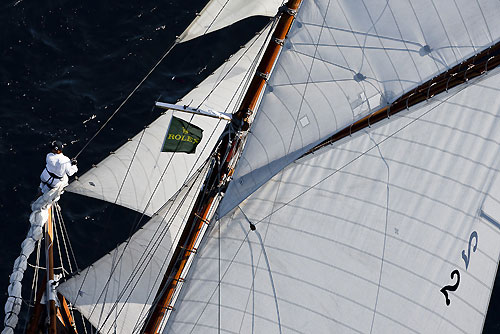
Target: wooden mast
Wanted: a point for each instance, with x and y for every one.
(49, 248)
(61, 316)
(203, 205)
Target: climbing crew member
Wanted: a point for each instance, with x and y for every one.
(57, 169)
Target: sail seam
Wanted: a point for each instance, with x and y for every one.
(385, 229)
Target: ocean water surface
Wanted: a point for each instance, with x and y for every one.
(65, 66)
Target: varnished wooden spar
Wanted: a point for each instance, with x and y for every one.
(459, 74)
(269, 58)
(205, 199)
(65, 314)
(37, 312)
(49, 246)
(60, 320)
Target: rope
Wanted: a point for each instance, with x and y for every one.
(58, 244)
(151, 248)
(160, 272)
(250, 70)
(84, 326)
(138, 222)
(134, 273)
(65, 236)
(116, 200)
(34, 284)
(128, 97)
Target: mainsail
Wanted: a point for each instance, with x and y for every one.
(362, 235)
(344, 59)
(392, 229)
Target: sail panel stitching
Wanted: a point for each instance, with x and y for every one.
(311, 187)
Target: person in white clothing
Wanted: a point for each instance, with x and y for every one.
(57, 169)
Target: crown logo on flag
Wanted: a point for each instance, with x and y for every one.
(184, 131)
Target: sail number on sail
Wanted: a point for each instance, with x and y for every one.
(444, 290)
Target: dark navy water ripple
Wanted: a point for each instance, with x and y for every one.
(65, 67)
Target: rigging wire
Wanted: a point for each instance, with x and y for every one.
(133, 228)
(247, 80)
(63, 225)
(118, 196)
(34, 285)
(128, 97)
(84, 325)
(135, 225)
(58, 244)
(144, 316)
(162, 174)
(143, 214)
(251, 70)
(166, 286)
(145, 255)
(140, 265)
(204, 147)
(220, 80)
(65, 246)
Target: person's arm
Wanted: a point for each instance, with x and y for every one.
(71, 169)
(70, 166)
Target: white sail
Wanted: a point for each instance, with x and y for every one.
(116, 292)
(361, 236)
(343, 59)
(141, 177)
(219, 14)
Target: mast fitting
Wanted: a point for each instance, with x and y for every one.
(279, 41)
(288, 10)
(263, 75)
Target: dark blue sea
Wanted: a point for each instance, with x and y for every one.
(65, 66)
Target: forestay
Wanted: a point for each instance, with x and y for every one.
(116, 292)
(218, 14)
(363, 235)
(147, 182)
(346, 58)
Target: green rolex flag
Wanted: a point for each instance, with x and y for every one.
(182, 136)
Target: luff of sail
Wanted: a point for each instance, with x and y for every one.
(367, 235)
(345, 59)
(130, 175)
